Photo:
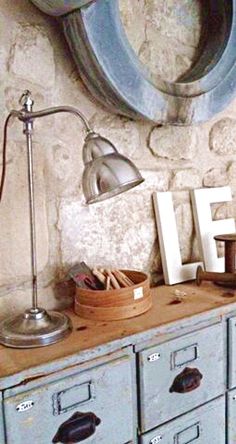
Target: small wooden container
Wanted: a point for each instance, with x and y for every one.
(110, 305)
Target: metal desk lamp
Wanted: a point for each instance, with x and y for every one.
(106, 174)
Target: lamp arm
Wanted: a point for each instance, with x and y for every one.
(26, 116)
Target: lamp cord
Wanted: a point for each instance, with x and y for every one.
(4, 152)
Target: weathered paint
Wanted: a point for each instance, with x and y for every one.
(65, 372)
(139, 340)
(105, 390)
(175, 328)
(158, 402)
(205, 425)
(114, 75)
(42, 387)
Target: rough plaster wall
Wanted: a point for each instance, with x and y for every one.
(120, 232)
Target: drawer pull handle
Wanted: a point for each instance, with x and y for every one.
(77, 428)
(187, 381)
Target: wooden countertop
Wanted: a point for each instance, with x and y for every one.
(90, 339)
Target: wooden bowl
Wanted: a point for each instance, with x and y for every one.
(110, 305)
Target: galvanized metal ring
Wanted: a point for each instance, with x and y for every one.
(114, 75)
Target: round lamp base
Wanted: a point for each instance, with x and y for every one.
(34, 328)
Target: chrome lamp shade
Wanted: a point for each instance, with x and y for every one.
(106, 174)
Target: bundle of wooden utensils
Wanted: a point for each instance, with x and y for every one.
(112, 279)
(110, 294)
(99, 278)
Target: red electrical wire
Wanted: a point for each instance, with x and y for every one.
(4, 152)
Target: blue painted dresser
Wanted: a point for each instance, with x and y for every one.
(168, 376)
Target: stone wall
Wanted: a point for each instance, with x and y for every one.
(120, 232)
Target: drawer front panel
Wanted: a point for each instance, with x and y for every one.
(232, 352)
(91, 406)
(205, 425)
(179, 375)
(231, 416)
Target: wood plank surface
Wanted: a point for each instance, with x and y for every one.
(170, 304)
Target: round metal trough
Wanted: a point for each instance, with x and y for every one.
(114, 75)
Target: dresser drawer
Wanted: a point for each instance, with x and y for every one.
(180, 375)
(205, 425)
(105, 391)
(231, 410)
